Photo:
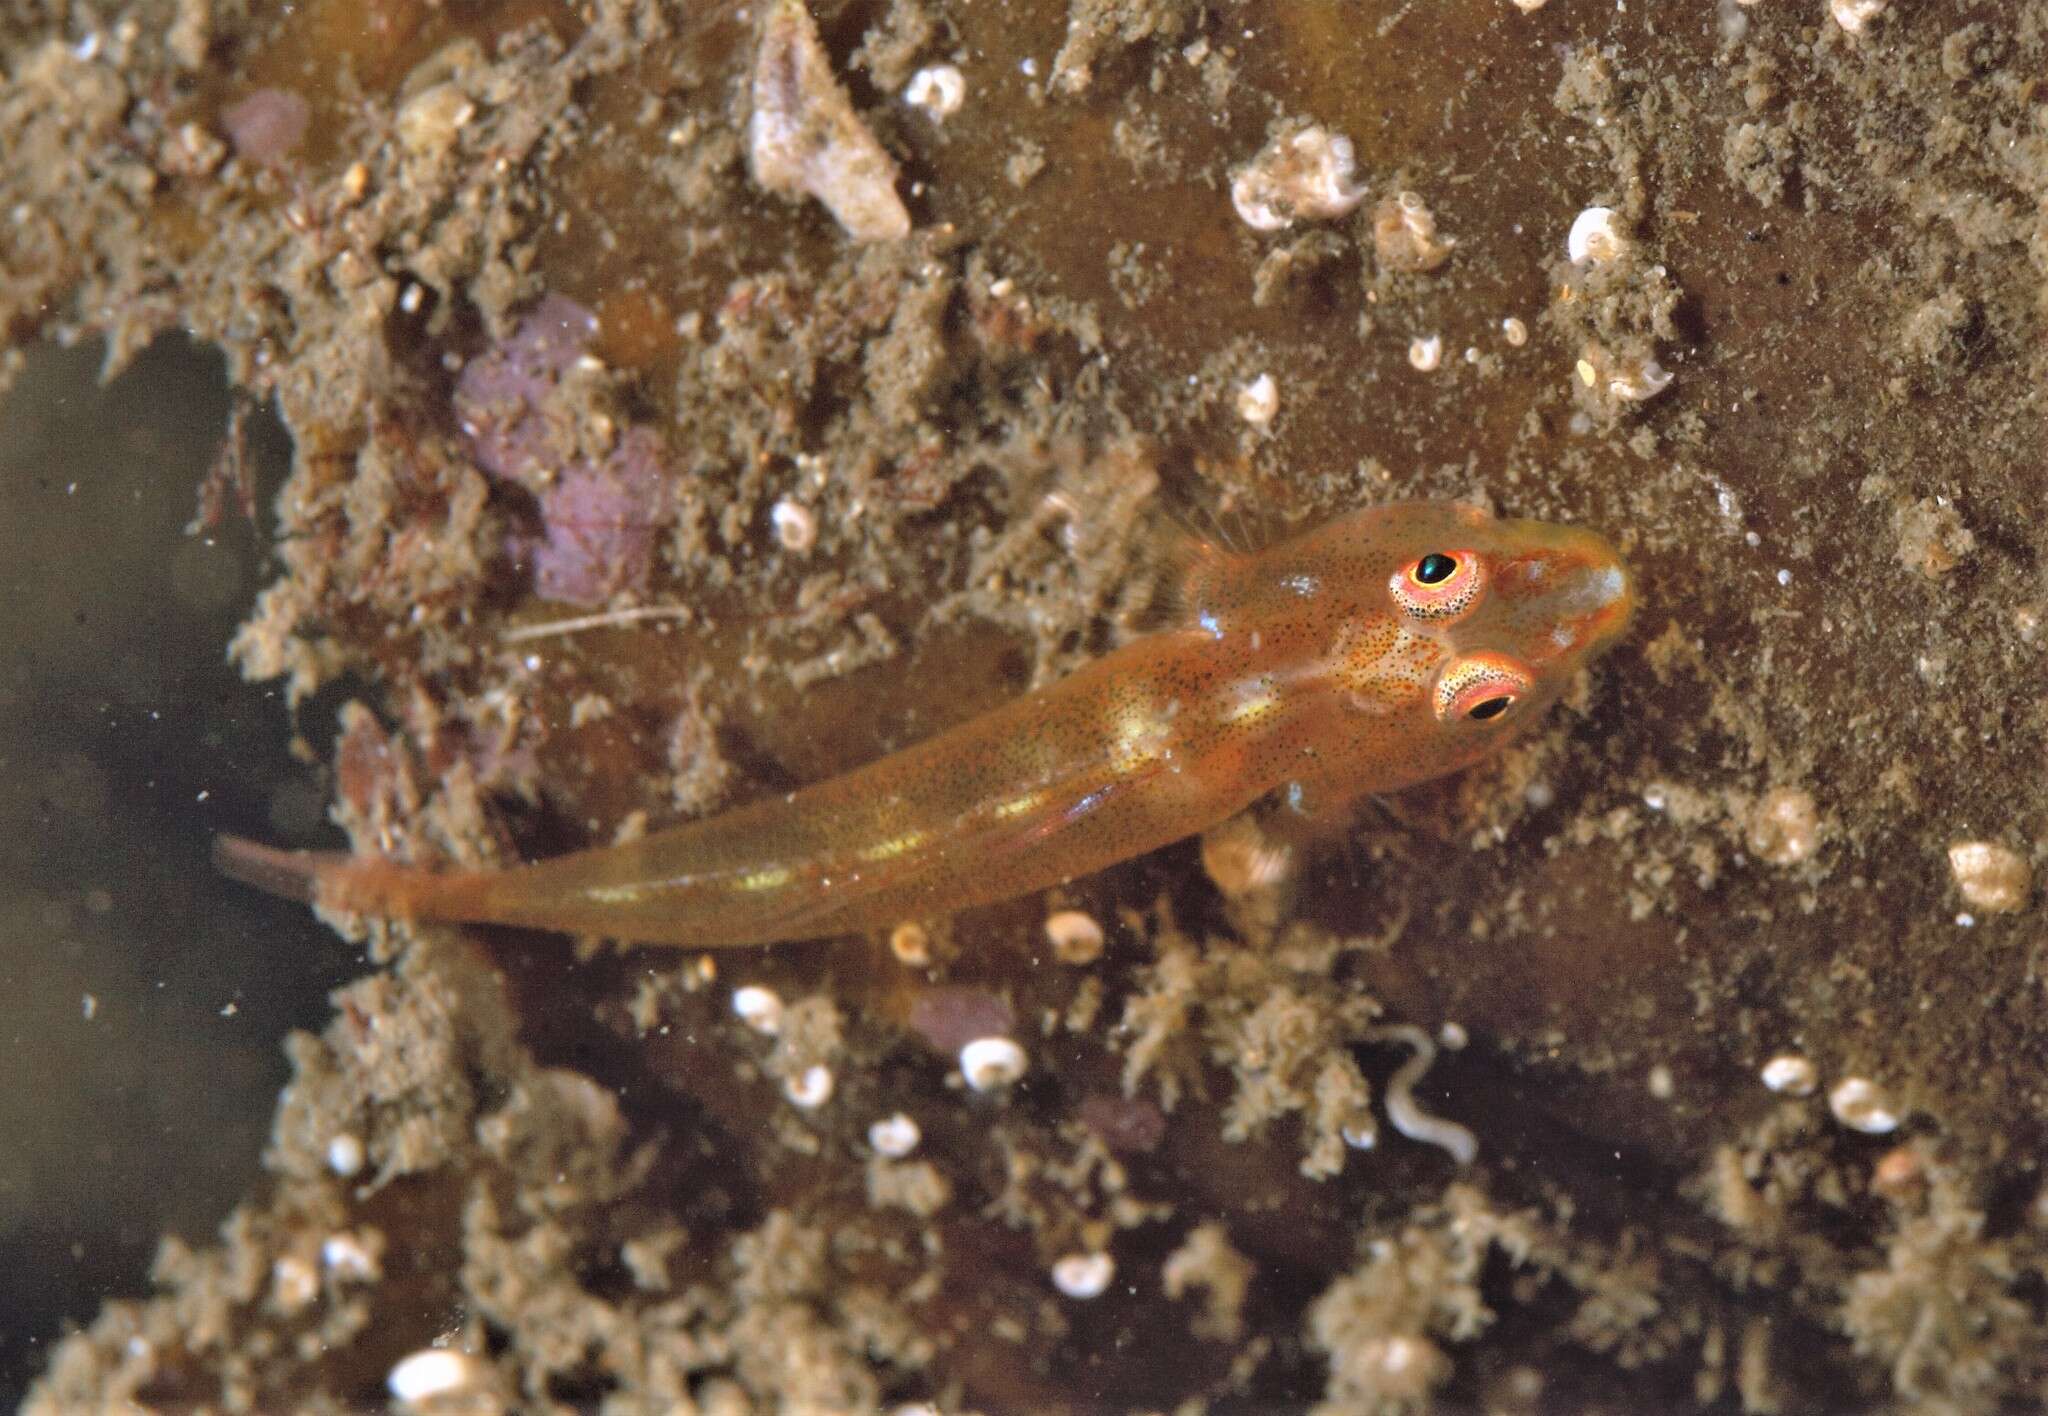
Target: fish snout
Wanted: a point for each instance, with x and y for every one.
(1572, 597)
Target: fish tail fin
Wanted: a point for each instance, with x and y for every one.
(339, 881)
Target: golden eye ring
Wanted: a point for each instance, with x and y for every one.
(1479, 688)
(1438, 586)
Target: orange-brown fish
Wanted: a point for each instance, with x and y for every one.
(1387, 647)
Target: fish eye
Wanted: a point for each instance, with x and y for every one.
(1434, 568)
(1441, 585)
(1478, 688)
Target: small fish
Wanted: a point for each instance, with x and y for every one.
(1385, 648)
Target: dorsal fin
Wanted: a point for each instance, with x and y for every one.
(1205, 555)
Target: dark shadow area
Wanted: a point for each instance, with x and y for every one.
(142, 998)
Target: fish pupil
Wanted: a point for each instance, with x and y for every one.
(1491, 708)
(1435, 569)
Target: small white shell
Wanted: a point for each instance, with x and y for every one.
(894, 1136)
(1991, 877)
(810, 1088)
(1596, 237)
(1084, 1275)
(939, 90)
(759, 1008)
(992, 1062)
(1074, 935)
(1791, 1074)
(1425, 352)
(1258, 401)
(911, 943)
(1853, 15)
(796, 527)
(1404, 235)
(433, 1372)
(345, 1155)
(1862, 1105)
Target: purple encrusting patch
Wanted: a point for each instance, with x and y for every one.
(599, 520)
(600, 523)
(500, 391)
(267, 125)
(949, 1016)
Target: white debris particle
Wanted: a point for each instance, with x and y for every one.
(1991, 877)
(991, 1062)
(796, 527)
(1258, 401)
(1635, 383)
(1595, 237)
(1853, 15)
(894, 1136)
(345, 1155)
(1784, 827)
(759, 1008)
(346, 1256)
(1530, 7)
(1425, 352)
(89, 1006)
(432, 119)
(804, 136)
(1084, 1275)
(1362, 1136)
(293, 1283)
(433, 1372)
(1791, 1074)
(1628, 378)
(1862, 1105)
(1074, 935)
(1304, 175)
(939, 90)
(1662, 1085)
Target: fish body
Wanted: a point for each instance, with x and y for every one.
(1385, 648)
